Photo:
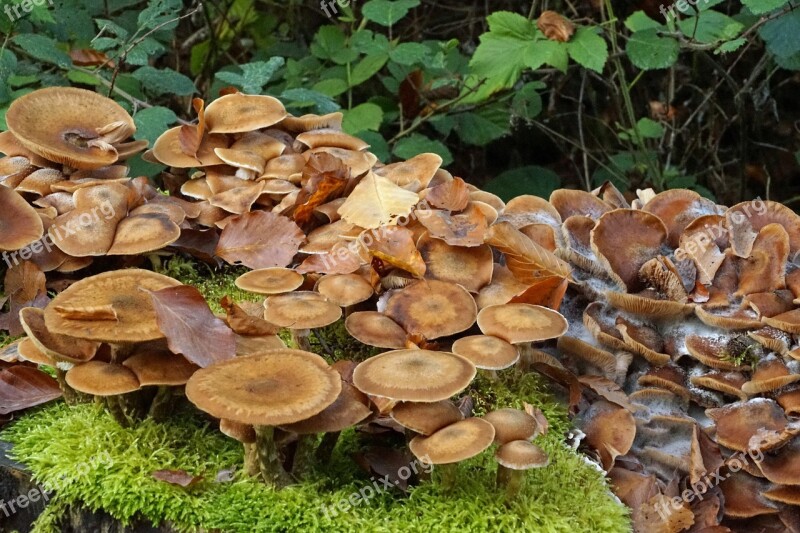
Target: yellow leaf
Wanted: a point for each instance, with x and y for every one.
(527, 260)
(376, 201)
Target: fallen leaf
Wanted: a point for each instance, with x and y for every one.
(260, 239)
(376, 201)
(525, 259)
(555, 27)
(24, 386)
(548, 291)
(199, 243)
(86, 57)
(465, 229)
(191, 328)
(243, 323)
(97, 312)
(395, 245)
(25, 285)
(325, 178)
(191, 135)
(452, 195)
(177, 477)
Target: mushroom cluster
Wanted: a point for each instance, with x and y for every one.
(65, 188)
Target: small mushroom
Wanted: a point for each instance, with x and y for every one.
(275, 280)
(513, 459)
(487, 353)
(432, 309)
(376, 329)
(107, 380)
(300, 312)
(162, 369)
(345, 290)
(245, 434)
(522, 324)
(426, 418)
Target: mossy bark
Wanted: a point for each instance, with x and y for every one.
(269, 460)
(303, 456)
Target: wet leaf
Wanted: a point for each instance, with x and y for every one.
(24, 386)
(465, 229)
(555, 27)
(243, 323)
(340, 260)
(452, 195)
(548, 291)
(86, 57)
(260, 239)
(191, 328)
(325, 178)
(191, 135)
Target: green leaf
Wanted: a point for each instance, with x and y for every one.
(482, 127)
(164, 81)
(377, 144)
(499, 61)
(77, 76)
(416, 144)
(527, 102)
(331, 87)
(330, 43)
(259, 73)
(533, 179)
(307, 98)
(650, 129)
(546, 52)
(151, 122)
(511, 24)
(42, 48)
(8, 64)
(710, 27)
(780, 34)
(106, 26)
(363, 117)
(640, 21)
(760, 7)
(145, 51)
(366, 68)
(409, 53)
(588, 49)
(387, 12)
(160, 12)
(730, 46)
(648, 51)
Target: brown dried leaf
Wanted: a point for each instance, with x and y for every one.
(24, 386)
(555, 27)
(177, 477)
(452, 195)
(191, 136)
(86, 57)
(395, 245)
(547, 291)
(525, 259)
(191, 328)
(340, 260)
(243, 323)
(325, 178)
(465, 229)
(99, 312)
(260, 239)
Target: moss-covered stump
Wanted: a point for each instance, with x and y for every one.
(109, 470)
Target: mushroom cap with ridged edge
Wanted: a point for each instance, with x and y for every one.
(57, 122)
(274, 280)
(20, 224)
(237, 113)
(512, 424)
(28, 351)
(301, 310)
(53, 345)
(345, 289)
(517, 323)
(521, 455)
(102, 379)
(375, 329)
(456, 442)
(276, 387)
(350, 408)
(76, 310)
(426, 418)
(486, 352)
(160, 367)
(242, 432)
(432, 309)
(414, 375)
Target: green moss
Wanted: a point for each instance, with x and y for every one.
(105, 466)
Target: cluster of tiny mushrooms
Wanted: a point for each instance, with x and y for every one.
(671, 321)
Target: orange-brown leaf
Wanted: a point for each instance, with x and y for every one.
(86, 57)
(191, 136)
(452, 195)
(555, 27)
(465, 229)
(325, 178)
(243, 323)
(525, 259)
(340, 260)
(548, 291)
(260, 239)
(395, 245)
(24, 386)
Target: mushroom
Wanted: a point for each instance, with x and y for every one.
(375, 329)
(300, 312)
(452, 444)
(107, 380)
(488, 354)
(162, 369)
(274, 388)
(512, 424)
(432, 309)
(345, 290)
(513, 459)
(522, 324)
(245, 434)
(425, 418)
(241, 113)
(274, 280)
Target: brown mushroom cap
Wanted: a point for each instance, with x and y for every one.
(349, 409)
(274, 280)
(770, 374)
(146, 232)
(738, 423)
(788, 322)
(235, 113)
(57, 122)
(569, 202)
(644, 305)
(20, 225)
(154, 367)
(345, 289)
(454, 443)
(102, 379)
(512, 424)
(27, 350)
(790, 495)
(432, 309)
(677, 208)
(414, 375)
(301, 310)
(167, 150)
(743, 496)
(375, 329)
(486, 352)
(53, 345)
(124, 292)
(272, 388)
(518, 323)
(783, 468)
(521, 455)
(711, 351)
(420, 168)
(470, 267)
(625, 239)
(729, 383)
(610, 430)
(242, 432)
(426, 418)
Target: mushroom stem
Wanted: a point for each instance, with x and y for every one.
(71, 396)
(161, 405)
(326, 446)
(120, 351)
(303, 456)
(269, 461)
(490, 375)
(115, 409)
(448, 474)
(509, 479)
(525, 354)
(251, 467)
(300, 339)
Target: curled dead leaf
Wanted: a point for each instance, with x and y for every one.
(555, 27)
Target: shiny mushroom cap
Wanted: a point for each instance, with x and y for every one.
(521, 455)
(154, 367)
(102, 379)
(454, 443)
(486, 352)
(426, 418)
(375, 329)
(274, 280)
(301, 310)
(344, 289)
(512, 424)
(517, 323)
(236, 113)
(349, 409)
(55, 346)
(273, 388)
